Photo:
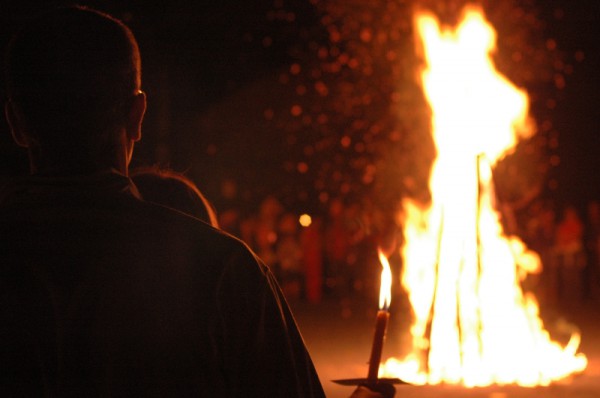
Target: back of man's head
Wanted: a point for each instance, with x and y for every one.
(71, 75)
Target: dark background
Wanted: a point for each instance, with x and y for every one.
(212, 71)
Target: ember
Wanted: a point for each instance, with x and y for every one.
(473, 323)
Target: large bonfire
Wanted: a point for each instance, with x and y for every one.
(473, 323)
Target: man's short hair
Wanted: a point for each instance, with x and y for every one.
(72, 74)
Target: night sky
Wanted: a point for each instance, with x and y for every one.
(212, 72)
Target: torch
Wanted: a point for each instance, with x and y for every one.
(385, 297)
(383, 316)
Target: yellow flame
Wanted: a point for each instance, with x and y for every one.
(473, 323)
(385, 289)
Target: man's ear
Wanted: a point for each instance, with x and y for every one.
(135, 117)
(16, 124)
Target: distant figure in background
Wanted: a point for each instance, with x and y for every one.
(337, 246)
(175, 190)
(289, 257)
(569, 255)
(592, 249)
(311, 240)
(265, 230)
(540, 233)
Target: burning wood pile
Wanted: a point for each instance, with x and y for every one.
(473, 323)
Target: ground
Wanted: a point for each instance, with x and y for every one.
(339, 333)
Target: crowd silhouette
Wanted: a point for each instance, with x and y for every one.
(333, 255)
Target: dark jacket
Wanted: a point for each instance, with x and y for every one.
(105, 295)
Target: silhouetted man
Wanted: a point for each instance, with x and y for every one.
(103, 294)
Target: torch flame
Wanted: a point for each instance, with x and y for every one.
(385, 289)
(473, 323)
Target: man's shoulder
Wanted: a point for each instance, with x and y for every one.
(192, 232)
(32, 210)
(126, 230)
(173, 220)
(211, 251)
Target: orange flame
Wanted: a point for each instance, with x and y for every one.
(385, 289)
(473, 323)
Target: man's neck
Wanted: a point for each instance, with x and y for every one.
(74, 164)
